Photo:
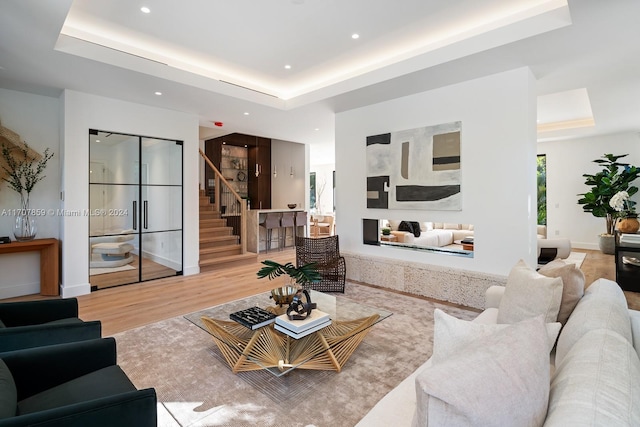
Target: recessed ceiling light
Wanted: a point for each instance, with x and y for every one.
(317, 129)
(97, 140)
(246, 113)
(145, 9)
(158, 93)
(288, 67)
(355, 36)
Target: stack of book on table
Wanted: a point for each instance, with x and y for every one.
(253, 317)
(627, 239)
(299, 328)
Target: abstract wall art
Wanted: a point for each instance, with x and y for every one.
(415, 169)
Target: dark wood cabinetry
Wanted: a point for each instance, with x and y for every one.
(258, 156)
(627, 265)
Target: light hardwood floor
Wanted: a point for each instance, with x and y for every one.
(127, 307)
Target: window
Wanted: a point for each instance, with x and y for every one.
(542, 189)
(312, 190)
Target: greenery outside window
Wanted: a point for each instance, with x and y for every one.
(312, 190)
(542, 189)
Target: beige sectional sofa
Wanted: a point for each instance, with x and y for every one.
(436, 234)
(592, 375)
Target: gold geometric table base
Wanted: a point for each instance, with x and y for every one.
(326, 349)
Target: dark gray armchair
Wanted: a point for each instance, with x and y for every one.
(72, 385)
(37, 323)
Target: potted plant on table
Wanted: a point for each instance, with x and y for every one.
(613, 178)
(627, 216)
(22, 169)
(299, 277)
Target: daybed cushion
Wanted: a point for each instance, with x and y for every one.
(603, 306)
(572, 285)
(111, 380)
(112, 248)
(528, 294)
(8, 392)
(597, 383)
(499, 380)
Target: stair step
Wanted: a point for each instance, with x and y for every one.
(206, 215)
(212, 264)
(215, 232)
(215, 252)
(211, 242)
(208, 208)
(212, 222)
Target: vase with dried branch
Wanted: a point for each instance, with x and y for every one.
(23, 168)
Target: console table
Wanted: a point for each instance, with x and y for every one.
(627, 273)
(49, 265)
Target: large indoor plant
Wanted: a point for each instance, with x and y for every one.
(614, 177)
(22, 171)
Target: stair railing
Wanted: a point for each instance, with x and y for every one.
(235, 207)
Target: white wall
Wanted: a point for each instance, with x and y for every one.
(82, 112)
(36, 119)
(324, 173)
(566, 162)
(284, 188)
(498, 149)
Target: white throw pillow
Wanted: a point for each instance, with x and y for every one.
(452, 335)
(572, 285)
(427, 226)
(498, 381)
(528, 294)
(597, 383)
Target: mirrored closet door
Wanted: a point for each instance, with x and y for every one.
(135, 208)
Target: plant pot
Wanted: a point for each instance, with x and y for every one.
(607, 244)
(628, 225)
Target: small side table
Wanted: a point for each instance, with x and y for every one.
(388, 238)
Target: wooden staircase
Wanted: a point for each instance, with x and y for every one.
(219, 247)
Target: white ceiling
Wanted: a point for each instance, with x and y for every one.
(220, 59)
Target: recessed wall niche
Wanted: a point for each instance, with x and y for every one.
(436, 237)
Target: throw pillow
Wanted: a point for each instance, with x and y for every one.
(528, 294)
(427, 226)
(411, 227)
(451, 335)
(501, 380)
(572, 285)
(8, 392)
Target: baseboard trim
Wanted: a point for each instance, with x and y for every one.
(70, 291)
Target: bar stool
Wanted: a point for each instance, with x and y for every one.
(271, 221)
(288, 220)
(301, 221)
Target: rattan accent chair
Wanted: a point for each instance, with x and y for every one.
(325, 252)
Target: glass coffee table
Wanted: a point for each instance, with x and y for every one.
(268, 349)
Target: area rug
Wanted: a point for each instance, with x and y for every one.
(195, 387)
(576, 258)
(106, 270)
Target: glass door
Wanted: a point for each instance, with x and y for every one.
(161, 215)
(135, 209)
